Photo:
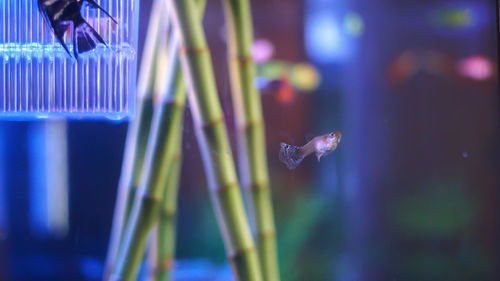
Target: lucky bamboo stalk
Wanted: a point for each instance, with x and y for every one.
(164, 254)
(161, 145)
(162, 237)
(152, 240)
(137, 135)
(214, 143)
(148, 83)
(251, 132)
(159, 155)
(166, 229)
(151, 255)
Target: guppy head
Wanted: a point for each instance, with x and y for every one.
(325, 144)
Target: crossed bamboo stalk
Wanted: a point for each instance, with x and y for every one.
(147, 194)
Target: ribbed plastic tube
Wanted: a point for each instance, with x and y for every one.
(38, 78)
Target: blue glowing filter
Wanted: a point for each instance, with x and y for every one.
(40, 78)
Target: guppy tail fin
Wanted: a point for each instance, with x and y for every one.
(289, 155)
(84, 37)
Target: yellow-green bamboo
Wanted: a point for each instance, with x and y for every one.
(137, 135)
(152, 241)
(159, 155)
(214, 143)
(151, 255)
(251, 132)
(166, 229)
(163, 235)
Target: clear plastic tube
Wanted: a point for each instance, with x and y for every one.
(39, 79)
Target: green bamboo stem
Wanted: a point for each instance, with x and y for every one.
(165, 235)
(251, 132)
(152, 240)
(160, 152)
(166, 232)
(151, 254)
(162, 237)
(137, 135)
(214, 143)
(167, 117)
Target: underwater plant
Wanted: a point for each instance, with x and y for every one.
(148, 190)
(213, 140)
(250, 129)
(160, 153)
(137, 135)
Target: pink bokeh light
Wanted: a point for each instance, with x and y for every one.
(475, 67)
(262, 50)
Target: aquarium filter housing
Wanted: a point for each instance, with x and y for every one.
(38, 78)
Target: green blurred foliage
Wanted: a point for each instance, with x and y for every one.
(296, 230)
(200, 236)
(436, 210)
(308, 226)
(435, 225)
(310, 235)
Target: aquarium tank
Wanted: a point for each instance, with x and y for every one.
(256, 140)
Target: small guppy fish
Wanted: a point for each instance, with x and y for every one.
(292, 155)
(60, 14)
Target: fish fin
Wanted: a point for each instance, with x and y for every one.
(289, 155)
(90, 41)
(95, 5)
(318, 155)
(75, 52)
(59, 31)
(84, 37)
(42, 10)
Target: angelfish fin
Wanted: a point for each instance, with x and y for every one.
(84, 38)
(59, 31)
(95, 5)
(289, 155)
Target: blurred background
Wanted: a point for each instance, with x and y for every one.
(412, 192)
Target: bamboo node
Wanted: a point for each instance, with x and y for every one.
(175, 103)
(241, 252)
(243, 59)
(166, 264)
(184, 49)
(253, 123)
(147, 196)
(258, 185)
(164, 101)
(168, 213)
(213, 123)
(227, 186)
(266, 234)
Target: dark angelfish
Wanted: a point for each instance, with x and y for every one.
(60, 14)
(292, 155)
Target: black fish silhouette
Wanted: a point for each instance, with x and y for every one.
(60, 14)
